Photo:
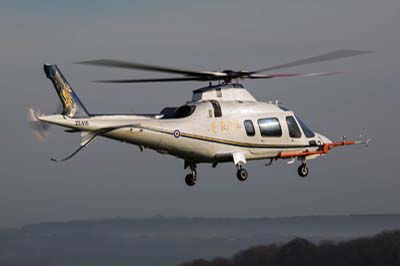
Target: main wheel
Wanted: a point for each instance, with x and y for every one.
(242, 174)
(302, 170)
(190, 180)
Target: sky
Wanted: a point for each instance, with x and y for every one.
(111, 179)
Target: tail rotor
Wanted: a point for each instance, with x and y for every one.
(40, 130)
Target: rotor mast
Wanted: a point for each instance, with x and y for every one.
(223, 92)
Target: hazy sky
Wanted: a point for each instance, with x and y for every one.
(111, 179)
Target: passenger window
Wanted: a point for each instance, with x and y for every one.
(294, 130)
(270, 127)
(248, 125)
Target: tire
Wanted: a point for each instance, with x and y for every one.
(242, 174)
(303, 170)
(189, 180)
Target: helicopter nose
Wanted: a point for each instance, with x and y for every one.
(323, 139)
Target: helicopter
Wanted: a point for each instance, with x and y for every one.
(223, 122)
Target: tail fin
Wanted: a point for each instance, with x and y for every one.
(72, 106)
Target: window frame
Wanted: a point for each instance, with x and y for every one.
(268, 135)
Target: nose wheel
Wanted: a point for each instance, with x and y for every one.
(242, 174)
(303, 170)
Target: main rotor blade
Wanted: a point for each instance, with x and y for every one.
(320, 58)
(286, 75)
(132, 65)
(153, 80)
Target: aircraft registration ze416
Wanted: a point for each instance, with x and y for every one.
(222, 123)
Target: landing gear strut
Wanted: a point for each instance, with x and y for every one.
(303, 170)
(241, 173)
(191, 178)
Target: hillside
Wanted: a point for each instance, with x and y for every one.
(382, 249)
(168, 241)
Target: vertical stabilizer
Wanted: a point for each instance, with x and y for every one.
(72, 106)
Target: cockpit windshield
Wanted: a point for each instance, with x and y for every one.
(307, 131)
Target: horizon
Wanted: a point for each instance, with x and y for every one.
(154, 217)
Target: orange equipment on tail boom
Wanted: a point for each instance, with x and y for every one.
(323, 149)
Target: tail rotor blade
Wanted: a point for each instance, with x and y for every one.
(40, 130)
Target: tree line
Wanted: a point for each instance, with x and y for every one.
(379, 250)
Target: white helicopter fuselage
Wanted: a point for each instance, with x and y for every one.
(208, 129)
(222, 123)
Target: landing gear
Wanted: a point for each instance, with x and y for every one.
(303, 170)
(191, 178)
(242, 174)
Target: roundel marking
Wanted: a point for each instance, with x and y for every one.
(177, 133)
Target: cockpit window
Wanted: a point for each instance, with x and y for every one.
(307, 131)
(294, 130)
(181, 112)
